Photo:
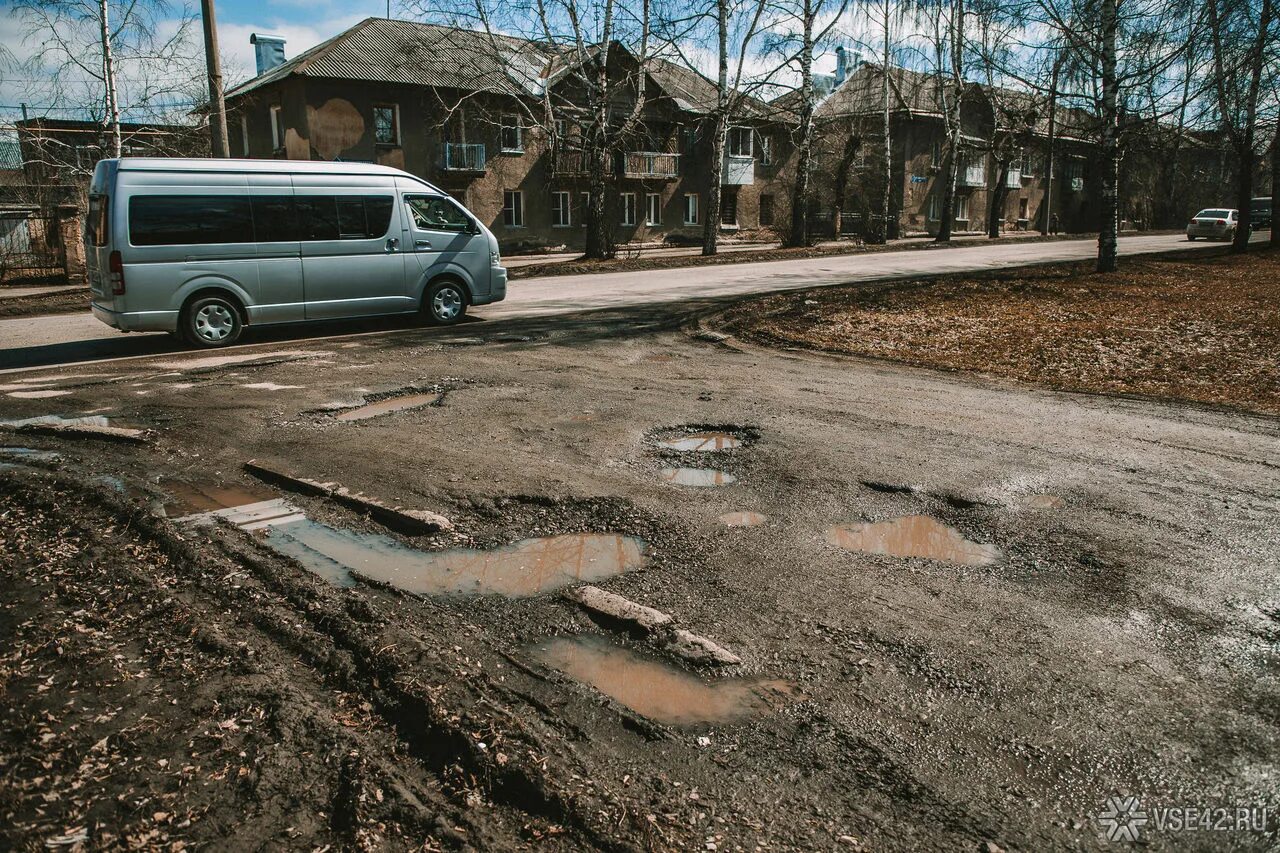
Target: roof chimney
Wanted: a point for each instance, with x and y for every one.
(842, 66)
(268, 50)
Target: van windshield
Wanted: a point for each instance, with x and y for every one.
(97, 220)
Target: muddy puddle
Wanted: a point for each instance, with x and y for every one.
(41, 394)
(1043, 502)
(389, 405)
(742, 519)
(29, 454)
(702, 442)
(524, 568)
(657, 690)
(697, 477)
(913, 536)
(186, 499)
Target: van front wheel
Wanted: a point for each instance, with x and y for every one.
(446, 303)
(211, 321)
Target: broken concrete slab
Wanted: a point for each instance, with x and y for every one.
(412, 522)
(616, 607)
(696, 649)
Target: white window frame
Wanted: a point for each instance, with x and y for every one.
(691, 211)
(935, 207)
(653, 209)
(395, 124)
(742, 133)
(513, 201)
(628, 208)
(561, 217)
(511, 121)
(766, 150)
(277, 127)
(962, 208)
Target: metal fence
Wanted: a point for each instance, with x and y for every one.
(31, 249)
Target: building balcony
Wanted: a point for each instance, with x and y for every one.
(739, 171)
(649, 165)
(974, 176)
(464, 157)
(570, 164)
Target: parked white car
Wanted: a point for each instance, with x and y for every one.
(1214, 224)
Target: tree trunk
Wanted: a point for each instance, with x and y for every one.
(840, 181)
(711, 228)
(1275, 185)
(954, 130)
(1047, 204)
(804, 162)
(999, 193)
(1110, 213)
(109, 78)
(885, 202)
(1248, 158)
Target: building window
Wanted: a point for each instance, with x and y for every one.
(766, 211)
(937, 151)
(766, 150)
(933, 208)
(277, 128)
(653, 209)
(560, 209)
(386, 124)
(512, 134)
(689, 139)
(739, 142)
(729, 207)
(513, 208)
(628, 208)
(690, 208)
(586, 206)
(962, 208)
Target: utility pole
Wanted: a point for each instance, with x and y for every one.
(217, 106)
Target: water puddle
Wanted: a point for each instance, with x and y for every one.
(524, 568)
(391, 404)
(39, 395)
(56, 421)
(656, 690)
(30, 453)
(742, 519)
(699, 477)
(187, 499)
(702, 442)
(913, 536)
(1044, 502)
(223, 360)
(269, 386)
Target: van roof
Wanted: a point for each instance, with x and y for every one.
(211, 164)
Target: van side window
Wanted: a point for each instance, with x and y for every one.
(274, 220)
(169, 220)
(348, 217)
(433, 213)
(97, 220)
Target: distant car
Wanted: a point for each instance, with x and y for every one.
(1213, 224)
(1260, 213)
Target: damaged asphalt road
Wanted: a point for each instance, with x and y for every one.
(967, 612)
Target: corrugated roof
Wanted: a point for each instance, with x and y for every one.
(385, 51)
(10, 155)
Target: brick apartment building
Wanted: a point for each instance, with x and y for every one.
(494, 121)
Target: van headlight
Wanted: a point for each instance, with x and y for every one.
(494, 257)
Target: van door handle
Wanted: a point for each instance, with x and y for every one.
(393, 243)
(422, 244)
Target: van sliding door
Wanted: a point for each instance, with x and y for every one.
(280, 288)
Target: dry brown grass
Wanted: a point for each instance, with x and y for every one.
(1203, 329)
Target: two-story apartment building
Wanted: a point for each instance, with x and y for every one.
(496, 121)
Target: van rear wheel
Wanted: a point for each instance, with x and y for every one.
(446, 303)
(211, 321)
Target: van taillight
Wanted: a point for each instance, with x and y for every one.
(115, 268)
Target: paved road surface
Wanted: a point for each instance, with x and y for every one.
(58, 339)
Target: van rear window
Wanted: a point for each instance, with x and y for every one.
(97, 222)
(159, 220)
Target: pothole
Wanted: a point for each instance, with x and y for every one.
(744, 518)
(187, 499)
(524, 568)
(702, 442)
(657, 690)
(40, 394)
(30, 454)
(372, 406)
(913, 536)
(696, 477)
(1043, 502)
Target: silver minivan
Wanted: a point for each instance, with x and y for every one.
(202, 248)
